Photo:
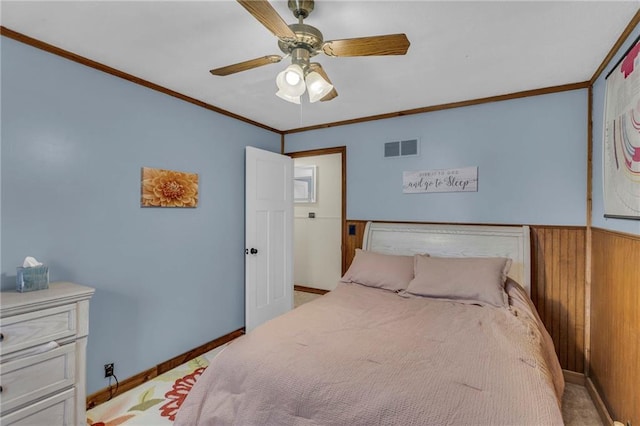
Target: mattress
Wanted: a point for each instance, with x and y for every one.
(366, 356)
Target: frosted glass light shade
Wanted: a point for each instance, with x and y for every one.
(291, 81)
(288, 98)
(317, 86)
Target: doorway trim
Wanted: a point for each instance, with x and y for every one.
(327, 151)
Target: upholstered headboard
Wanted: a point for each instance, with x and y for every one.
(456, 241)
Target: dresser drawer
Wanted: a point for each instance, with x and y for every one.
(57, 410)
(26, 379)
(34, 328)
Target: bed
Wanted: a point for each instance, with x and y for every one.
(431, 324)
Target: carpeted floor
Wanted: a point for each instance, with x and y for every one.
(157, 401)
(577, 407)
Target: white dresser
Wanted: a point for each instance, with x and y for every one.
(43, 345)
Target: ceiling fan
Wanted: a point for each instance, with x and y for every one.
(302, 42)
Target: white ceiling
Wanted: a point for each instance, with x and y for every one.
(459, 50)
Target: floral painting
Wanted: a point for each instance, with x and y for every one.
(168, 188)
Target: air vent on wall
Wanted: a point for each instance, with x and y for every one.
(396, 149)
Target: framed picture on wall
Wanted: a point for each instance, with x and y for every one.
(621, 146)
(168, 188)
(304, 184)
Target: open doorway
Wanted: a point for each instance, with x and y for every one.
(319, 218)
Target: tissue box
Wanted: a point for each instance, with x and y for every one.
(33, 278)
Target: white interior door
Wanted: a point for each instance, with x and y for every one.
(268, 236)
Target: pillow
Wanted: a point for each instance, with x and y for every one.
(388, 271)
(478, 279)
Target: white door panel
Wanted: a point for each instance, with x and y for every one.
(269, 236)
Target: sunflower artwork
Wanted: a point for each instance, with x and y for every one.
(168, 188)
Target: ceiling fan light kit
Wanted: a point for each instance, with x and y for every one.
(300, 76)
(302, 42)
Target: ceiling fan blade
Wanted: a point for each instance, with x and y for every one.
(314, 66)
(392, 44)
(267, 15)
(246, 65)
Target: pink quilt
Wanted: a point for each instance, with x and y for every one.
(365, 356)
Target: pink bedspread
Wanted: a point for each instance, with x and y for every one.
(364, 356)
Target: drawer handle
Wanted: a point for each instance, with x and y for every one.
(0, 389)
(1, 337)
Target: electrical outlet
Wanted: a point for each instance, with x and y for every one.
(108, 370)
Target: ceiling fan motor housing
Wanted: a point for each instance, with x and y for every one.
(307, 37)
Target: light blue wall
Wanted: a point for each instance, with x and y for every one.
(531, 155)
(598, 219)
(73, 142)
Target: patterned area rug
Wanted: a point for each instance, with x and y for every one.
(155, 402)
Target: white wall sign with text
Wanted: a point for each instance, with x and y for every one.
(444, 180)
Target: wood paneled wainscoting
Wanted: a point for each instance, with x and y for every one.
(615, 323)
(558, 289)
(557, 285)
